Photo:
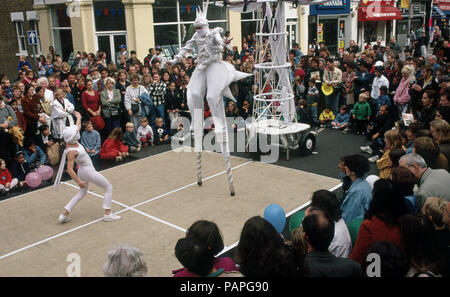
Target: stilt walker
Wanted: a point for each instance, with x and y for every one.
(75, 152)
(212, 77)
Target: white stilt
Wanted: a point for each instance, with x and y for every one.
(199, 169)
(226, 157)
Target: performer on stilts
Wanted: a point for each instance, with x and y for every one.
(86, 173)
(212, 77)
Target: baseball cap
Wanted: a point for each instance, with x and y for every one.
(158, 48)
(123, 46)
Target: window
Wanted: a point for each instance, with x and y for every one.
(21, 38)
(38, 37)
(249, 22)
(174, 21)
(61, 31)
(109, 16)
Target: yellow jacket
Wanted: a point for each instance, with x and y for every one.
(326, 116)
(384, 164)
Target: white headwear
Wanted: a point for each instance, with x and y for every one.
(201, 19)
(70, 134)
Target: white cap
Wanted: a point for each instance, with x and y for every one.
(70, 134)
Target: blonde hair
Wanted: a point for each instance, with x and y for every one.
(394, 138)
(144, 119)
(364, 96)
(443, 128)
(129, 125)
(111, 80)
(435, 207)
(409, 69)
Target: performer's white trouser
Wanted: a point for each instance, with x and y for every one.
(203, 82)
(14, 183)
(88, 175)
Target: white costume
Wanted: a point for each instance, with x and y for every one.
(86, 171)
(61, 114)
(212, 77)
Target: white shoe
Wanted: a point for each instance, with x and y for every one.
(111, 217)
(63, 219)
(373, 159)
(367, 149)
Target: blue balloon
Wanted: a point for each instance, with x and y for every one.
(275, 215)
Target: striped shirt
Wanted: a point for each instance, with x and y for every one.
(157, 93)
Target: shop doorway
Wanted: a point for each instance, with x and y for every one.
(110, 43)
(330, 34)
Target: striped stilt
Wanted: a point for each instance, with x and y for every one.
(199, 169)
(226, 157)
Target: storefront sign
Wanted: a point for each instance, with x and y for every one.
(444, 5)
(331, 7)
(378, 10)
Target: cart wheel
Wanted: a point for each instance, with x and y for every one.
(307, 144)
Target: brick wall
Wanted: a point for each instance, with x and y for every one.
(9, 46)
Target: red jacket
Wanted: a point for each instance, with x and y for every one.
(112, 145)
(371, 231)
(5, 177)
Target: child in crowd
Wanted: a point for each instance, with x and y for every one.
(6, 88)
(342, 120)
(113, 147)
(145, 133)
(7, 182)
(91, 140)
(173, 105)
(44, 139)
(33, 154)
(383, 99)
(361, 113)
(384, 164)
(302, 113)
(20, 168)
(299, 89)
(130, 139)
(312, 99)
(161, 134)
(326, 117)
(245, 110)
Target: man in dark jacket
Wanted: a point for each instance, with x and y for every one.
(383, 122)
(318, 232)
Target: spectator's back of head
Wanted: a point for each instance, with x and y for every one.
(403, 181)
(195, 256)
(257, 241)
(319, 230)
(125, 260)
(428, 149)
(393, 262)
(209, 233)
(358, 164)
(327, 201)
(434, 209)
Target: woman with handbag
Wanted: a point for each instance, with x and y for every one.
(91, 103)
(62, 111)
(110, 100)
(133, 101)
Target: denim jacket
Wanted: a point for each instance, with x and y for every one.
(356, 201)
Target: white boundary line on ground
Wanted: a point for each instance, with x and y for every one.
(228, 248)
(123, 210)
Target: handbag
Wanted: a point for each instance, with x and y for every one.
(135, 107)
(114, 111)
(98, 123)
(53, 153)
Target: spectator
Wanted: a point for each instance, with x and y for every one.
(172, 103)
(90, 139)
(312, 98)
(326, 117)
(7, 182)
(110, 99)
(361, 114)
(113, 147)
(356, 200)
(262, 252)
(125, 261)
(327, 201)
(30, 111)
(382, 123)
(383, 99)
(392, 140)
(133, 100)
(62, 111)
(130, 139)
(318, 232)
(209, 234)
(34, 156)
(443, 113)
(411, 133)
(440, 130)
(381, 220)
(394, 157)
(342, 120)
(378, 81)
(420, 245)
(161, 134)
(157, 90)
(20, 168)
(429, 150)
(431, 182)
(333, 77)
(393, 261)
(428, 111)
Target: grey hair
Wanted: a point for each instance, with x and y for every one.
(110, 79)
(41, 80)
(125, 261)
(414, 158)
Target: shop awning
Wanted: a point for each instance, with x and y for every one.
(378, 13)
(437, 12)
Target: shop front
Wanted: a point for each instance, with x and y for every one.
(330, 22)
(376, 20)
